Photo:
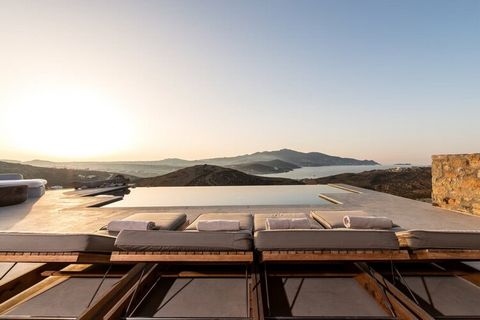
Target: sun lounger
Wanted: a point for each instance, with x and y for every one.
(190, 245)
(201, 274)
(318, 244)
(71, 247)
(441, 244)
(55, 247)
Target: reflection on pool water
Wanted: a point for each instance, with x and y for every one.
(226, 196)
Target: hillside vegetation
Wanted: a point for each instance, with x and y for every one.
(54, 176)
(208, 175)
(413, 183)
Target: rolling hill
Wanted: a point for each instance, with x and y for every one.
(208, 175)
(62, 177)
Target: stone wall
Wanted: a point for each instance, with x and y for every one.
(456, 182)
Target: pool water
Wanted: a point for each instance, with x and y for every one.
(226, 196)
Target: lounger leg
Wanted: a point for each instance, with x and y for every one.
(265, 275)
(99, 285)
(8, 270)
(382, 290)
(136, 289)
(247, 291)
(406, 285)
(144, 297)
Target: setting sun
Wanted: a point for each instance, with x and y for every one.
(66, 123)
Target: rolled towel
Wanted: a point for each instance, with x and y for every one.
(218, 225)
(286, 223)
(119, 225)
(367, 222)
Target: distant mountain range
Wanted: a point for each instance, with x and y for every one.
(256, 163)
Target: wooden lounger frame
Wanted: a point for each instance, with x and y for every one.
(45, 257)
(183, 256)
(284, 256)
(368, 255)
(444, 254)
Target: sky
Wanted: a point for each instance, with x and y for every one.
(392, 81)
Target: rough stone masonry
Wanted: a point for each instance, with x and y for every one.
(456, 182)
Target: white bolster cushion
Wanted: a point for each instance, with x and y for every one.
(119, 225)
(286, 223)
(218, 225)
(367, 222)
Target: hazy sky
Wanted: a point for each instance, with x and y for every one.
(126, 80)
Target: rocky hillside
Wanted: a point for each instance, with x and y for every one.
(54, 176)
(414, 183)
(208, 175)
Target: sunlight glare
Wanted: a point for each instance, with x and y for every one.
(66, 123)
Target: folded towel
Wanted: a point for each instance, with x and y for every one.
(218, 225)
(119, 225)
(286, 223)
(367, 222)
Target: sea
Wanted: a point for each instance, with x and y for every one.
(325, 171)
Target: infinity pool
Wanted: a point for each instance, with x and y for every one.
(226, 196)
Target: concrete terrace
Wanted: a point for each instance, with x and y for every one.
(78, 211)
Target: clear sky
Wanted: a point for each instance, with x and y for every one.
(142, 80)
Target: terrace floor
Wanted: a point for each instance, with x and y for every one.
(73, 211)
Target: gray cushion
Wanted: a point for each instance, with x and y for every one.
(162, 240)
(11, 176)
(163, 221)
(246, 219)
(260, 219)
(55, 242)
(334, 219)
(341, 239)
(433, 239)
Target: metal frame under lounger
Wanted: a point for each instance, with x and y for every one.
(318, 244)
(189, 246)
(433, 245)
(79, 291)
(326, 291)
(441, 290)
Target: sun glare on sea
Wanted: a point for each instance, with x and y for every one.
(66, 124)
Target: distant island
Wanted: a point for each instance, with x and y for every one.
(264, 162)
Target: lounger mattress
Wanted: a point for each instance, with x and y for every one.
(55, 242)
(338, 239)
(432, 239)
(163, 240)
